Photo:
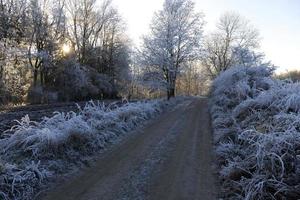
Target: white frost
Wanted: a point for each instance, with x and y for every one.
(256, 121)
(38, 150)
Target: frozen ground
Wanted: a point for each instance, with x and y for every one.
(37, 152)
(170, 158)
(8, 115)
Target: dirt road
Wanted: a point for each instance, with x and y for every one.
(168, 159)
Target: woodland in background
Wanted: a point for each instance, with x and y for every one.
(178, 57)
(293, 76)
(61, 50)
(74, 50)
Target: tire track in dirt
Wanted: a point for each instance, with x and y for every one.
(170, 158)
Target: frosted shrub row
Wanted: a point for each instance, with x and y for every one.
(256, 122)
(37, 151)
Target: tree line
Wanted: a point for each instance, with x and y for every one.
(61, 50)
(68, 50)
(177, 41)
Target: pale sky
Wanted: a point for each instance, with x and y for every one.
(277, 20)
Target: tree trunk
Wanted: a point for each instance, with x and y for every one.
(171, 88)
(1, 72)
(35, 75)
(42, 78)
(171, 92)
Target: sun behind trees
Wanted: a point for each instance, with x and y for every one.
(72, 50)
(61, 50)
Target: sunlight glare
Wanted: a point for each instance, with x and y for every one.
(66, 49)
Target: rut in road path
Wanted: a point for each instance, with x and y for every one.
(170, 158)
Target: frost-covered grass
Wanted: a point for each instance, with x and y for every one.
(256, 121)
(39, 150)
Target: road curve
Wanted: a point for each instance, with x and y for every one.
(170, 159)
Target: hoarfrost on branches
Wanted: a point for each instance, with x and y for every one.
(175, 39)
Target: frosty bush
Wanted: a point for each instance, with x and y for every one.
(256, 122)
(37, 150)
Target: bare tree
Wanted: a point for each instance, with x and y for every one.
(175, 37)
(46, 33)
(193, 80)
(40, 41)
(59, 21)
(13, 19)
(234, 34)
(87, 24)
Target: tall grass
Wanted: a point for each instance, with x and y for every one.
(40, 150)
(256, 122)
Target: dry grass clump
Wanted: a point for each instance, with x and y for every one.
(38, 151)
(256, 121)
